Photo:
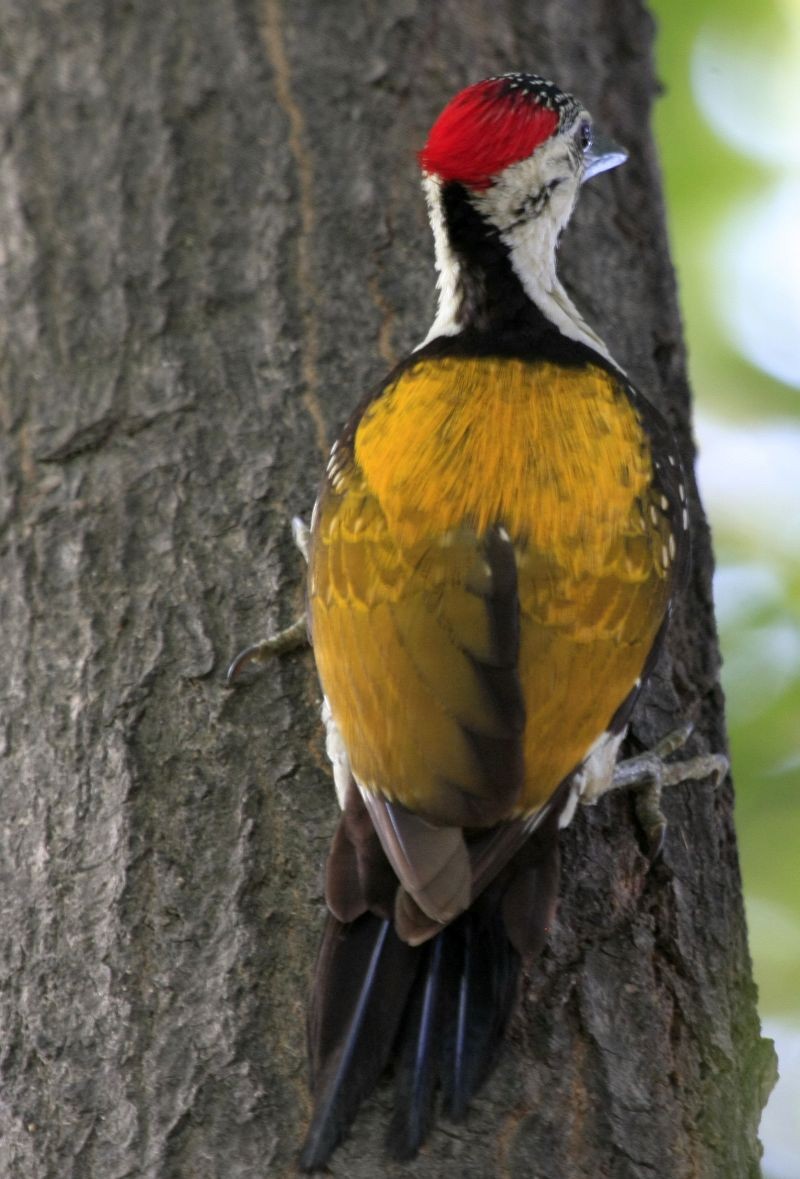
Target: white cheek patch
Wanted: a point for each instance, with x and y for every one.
(530, 233)
(542, 188)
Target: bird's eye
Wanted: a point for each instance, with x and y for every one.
(584, 135)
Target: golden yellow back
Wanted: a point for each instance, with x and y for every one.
(556, 458)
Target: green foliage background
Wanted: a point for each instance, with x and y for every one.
(708, 180)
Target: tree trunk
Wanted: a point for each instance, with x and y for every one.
(214, 243)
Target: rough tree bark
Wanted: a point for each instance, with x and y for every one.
(213, 243)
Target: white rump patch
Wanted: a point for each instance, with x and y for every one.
(596, 774)
(337, 754)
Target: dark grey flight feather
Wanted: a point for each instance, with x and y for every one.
(483, 968)
(364, 976)
(419, 1064)
(439, 1009)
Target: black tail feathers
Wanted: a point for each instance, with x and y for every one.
(363, 978)
(439, 1010)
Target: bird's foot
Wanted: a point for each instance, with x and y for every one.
(290, 638)
(648, 773)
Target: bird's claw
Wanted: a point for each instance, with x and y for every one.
(290, 639)
(648, 774)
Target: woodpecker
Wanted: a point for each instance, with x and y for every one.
(500, 532)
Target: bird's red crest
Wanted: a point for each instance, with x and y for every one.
(491, 125)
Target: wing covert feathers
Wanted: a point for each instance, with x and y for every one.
(428, 702)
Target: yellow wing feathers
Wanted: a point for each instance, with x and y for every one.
(440, 705)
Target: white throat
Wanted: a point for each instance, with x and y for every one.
(533, 259)
(532, 252)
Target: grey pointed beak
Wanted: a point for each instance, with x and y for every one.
(603, 154)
